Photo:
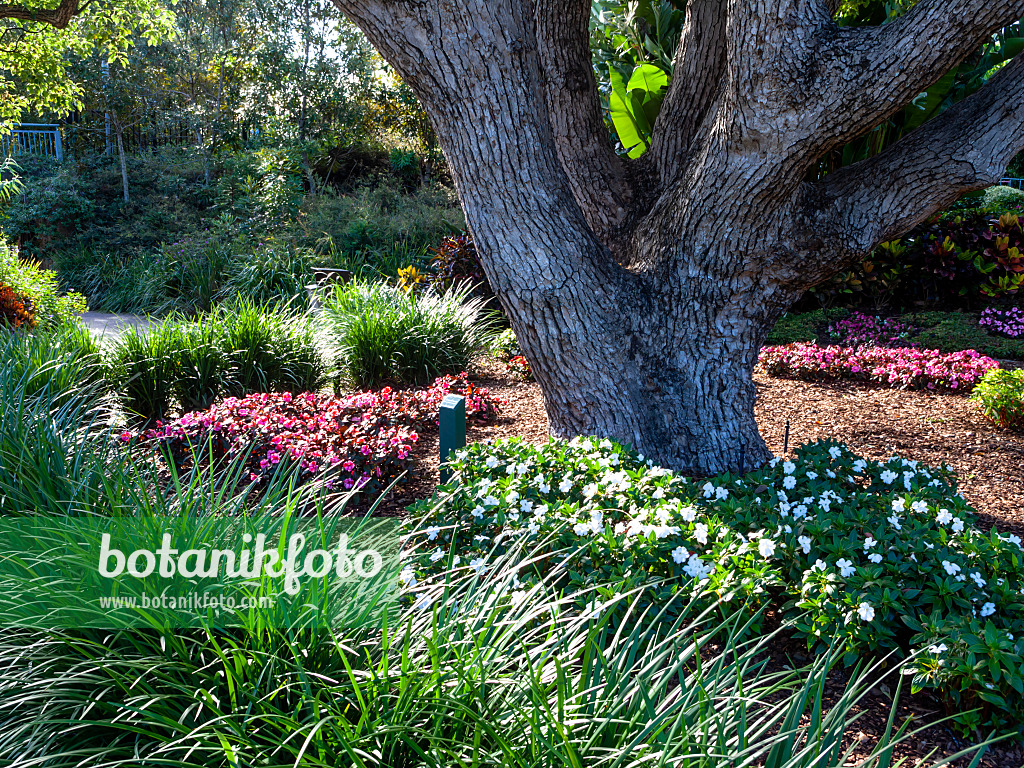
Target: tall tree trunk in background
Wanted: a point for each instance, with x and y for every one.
(641, 291)
(119, 130)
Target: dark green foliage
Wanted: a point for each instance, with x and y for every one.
(804, 326)
(959, 259)
(58, 361)
(954, 331)
(386, 335)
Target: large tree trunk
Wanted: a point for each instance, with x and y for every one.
(641, 294)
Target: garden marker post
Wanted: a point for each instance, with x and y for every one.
(452, 426)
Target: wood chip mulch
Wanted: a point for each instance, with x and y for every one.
(874, 423)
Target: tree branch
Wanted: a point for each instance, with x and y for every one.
(58, 17)
(696, 82)
(596, 174)
(876, 71)
(875, 200)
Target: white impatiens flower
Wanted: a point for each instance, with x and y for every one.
(544, 488)
(479, 565)
(869, 542)
(708, 489)
(766, 547)
(978, 579)
(988, 609)
(859, 466)
(846, 569)
(513, 497)
(958, 525)
(944, 517)
(408, 577)
(866, 612)
(721, 493)
(835, 452)
(581, 529)
(680, 554)
(432, 532)
(659, 493)
(491, 462)
(689, 514)
(812, 475)
(789, 482)
(888, 476)
(565, 486)
(819, 565)
(436, 555)
(696, 568)
(700, 533)
(491, 501)
(937, 649)
(951, 568)
(590, 491)
(805, 543)
(1014, 539)
(899, 505)
(875, 558)
(920, 507)
(526, 506)
(478, 512)
(789, 467)
(894, 521)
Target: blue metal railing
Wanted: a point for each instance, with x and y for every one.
(38, 139)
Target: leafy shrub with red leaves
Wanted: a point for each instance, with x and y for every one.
(15, 311)
(361, 441)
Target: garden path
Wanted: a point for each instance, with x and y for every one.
(110, 325)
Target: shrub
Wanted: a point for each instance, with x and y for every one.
(901, 368)
(38, 289)
(505, 345)
(15, 311)
(519, 367)
(804, 326)
(362, 441)
(385, 334)
(455, 261)
(873, 555)
(1008, 322)
(1000, 395)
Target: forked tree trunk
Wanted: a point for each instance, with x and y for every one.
(642, 292)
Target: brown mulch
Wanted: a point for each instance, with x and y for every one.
(874, 423)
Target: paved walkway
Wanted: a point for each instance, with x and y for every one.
(110, 325)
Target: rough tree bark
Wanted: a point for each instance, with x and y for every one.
(642, 292)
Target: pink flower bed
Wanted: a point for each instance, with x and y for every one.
(362, 441)
(1009, 322)
(896, 367)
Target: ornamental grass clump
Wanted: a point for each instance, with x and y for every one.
(900, 368)
(1000, 395)
(871, 557)
(386, 335)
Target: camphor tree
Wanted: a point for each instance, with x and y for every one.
(641, 290)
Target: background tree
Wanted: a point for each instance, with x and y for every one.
(641, 290)
(39, 43)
